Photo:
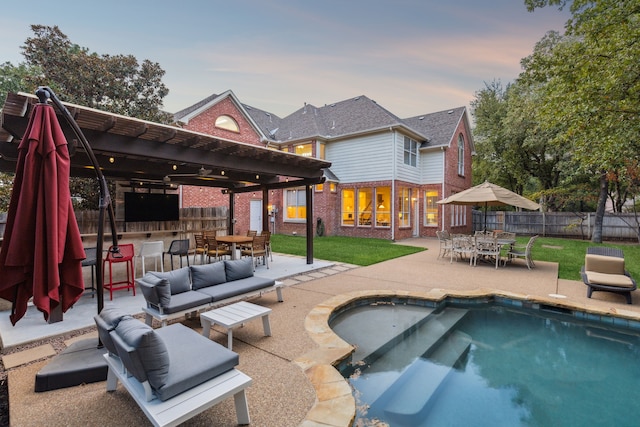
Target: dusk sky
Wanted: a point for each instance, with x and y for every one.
(410, 56)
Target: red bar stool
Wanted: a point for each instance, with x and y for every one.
(125, 254)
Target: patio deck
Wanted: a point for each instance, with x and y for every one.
(293, 383)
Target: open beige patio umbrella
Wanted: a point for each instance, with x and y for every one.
(490, 195)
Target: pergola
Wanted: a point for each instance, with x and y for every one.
(160, 155)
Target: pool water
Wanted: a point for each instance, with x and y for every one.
(494, 366)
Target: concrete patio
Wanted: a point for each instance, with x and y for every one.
(294, 383)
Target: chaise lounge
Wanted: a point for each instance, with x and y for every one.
(158, 369)
(604, 270)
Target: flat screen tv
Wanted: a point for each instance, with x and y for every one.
(151, 207)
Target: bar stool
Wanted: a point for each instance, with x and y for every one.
(124, 254)
(90, 261)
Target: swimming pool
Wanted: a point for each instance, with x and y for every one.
(489, 364)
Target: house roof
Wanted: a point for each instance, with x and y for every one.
(148, 152)
(347, 118)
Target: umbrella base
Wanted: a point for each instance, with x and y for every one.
(80, 363)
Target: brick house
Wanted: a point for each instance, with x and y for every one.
(387, 173)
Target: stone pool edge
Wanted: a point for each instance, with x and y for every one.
(335, 405)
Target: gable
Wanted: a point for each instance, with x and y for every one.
(205, 122)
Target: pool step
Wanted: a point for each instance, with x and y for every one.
(390, 366)
(412, 393)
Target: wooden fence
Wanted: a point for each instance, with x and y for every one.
(191, 220)
(579, 225)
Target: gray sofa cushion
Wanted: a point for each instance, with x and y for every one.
(106, 322)
(238, 269)
(237, 287)
(142, 351)
(207, 275)
(156, 290)
(186, 300)
(194, 359)
(178, 279)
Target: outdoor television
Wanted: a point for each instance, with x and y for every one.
(151, 207)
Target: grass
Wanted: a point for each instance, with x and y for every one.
(568, 253)
(351, 250)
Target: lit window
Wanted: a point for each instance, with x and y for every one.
(227, 123)
(322, 151)
(410, 151)
(404, 207)
(460, 155)
(319, 188)
(333, 187)
(304, 150)
(364, 207)
(430, 208)
(348, 203)
(383, 206)
(295, 205)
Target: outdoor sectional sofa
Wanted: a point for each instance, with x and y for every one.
(187, 290)
(157, 368)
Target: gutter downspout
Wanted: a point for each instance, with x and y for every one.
(393, 184)
(444, 173)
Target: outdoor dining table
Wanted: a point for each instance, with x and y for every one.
(233, 240)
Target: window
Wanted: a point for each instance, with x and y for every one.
(383, 206)
(460, 155)
(227, 123)
(296, 205)
(364, 207)
(319, 188)
(430, 208)
(458, 215)
(410, 151)
(404, 207)
(348, 202)
(322, 151)
(304, 150)
(333, 187)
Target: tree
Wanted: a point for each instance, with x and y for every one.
(118, 84)
(591, 88)
(115, 83)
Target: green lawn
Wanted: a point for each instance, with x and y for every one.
(351, 250)
(569, 254)
(359, 251)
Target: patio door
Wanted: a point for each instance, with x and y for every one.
(255, 216)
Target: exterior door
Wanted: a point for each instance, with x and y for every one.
(255, 221)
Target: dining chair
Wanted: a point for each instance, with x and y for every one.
(486, 246)
(201, 247)
(462, 245)
(216, 249)
(267, 242)
(258, 250)
(444, 238)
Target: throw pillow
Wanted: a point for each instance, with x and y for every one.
(149, 348)
(238, 269)
(178, 279)
(206, 275)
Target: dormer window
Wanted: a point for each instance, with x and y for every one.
(227, 123)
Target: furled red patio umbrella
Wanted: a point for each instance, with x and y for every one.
(489, 194)
(42, 250)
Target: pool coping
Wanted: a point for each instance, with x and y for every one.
(335, 405)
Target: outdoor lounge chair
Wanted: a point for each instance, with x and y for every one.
(604, 270)
(518, 251)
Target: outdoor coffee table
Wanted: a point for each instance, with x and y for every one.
(235, 315)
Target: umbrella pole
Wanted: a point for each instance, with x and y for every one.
(43, 93)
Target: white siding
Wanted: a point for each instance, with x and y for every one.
(406, 172)
(431, 166)
(366, 158)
